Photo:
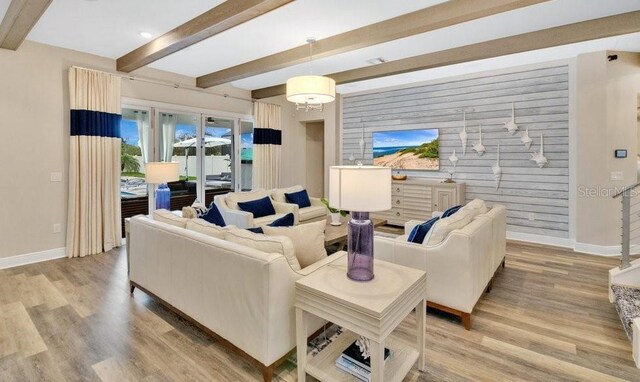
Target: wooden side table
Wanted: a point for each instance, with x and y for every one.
(372, 309)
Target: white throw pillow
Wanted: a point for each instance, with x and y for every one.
(475, 207)
(233, 198)
(203, 226)
(267, 244)
(443, 227)
(196, 210)
(278, 193)
(168, 217)
(308, 240)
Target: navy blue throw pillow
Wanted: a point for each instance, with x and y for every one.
(301, 198)
(214, 216)
(285, 221)
(450, 211)
(420, 231)
(259, 208)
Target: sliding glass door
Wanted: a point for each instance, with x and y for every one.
(218, 161)
(177, 142)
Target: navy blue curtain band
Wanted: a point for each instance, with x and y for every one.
(95, 123)
(263, 136)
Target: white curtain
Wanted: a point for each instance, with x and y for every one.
(169, 122)
(143, 136)
(267, 143)
(93, 220)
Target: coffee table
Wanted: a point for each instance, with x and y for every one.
(338, 234)
(372, 309)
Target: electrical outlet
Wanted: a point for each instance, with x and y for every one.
(532, 216)
(617, 175)
(56, 177)
(57, 228)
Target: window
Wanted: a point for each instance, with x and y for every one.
(135, 130)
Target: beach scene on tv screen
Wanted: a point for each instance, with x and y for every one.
(407, 149)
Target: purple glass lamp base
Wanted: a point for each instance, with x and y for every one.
(163, 197)
(360, 247)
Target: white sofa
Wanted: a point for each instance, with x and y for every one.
(240, 294)
(461, 266)
(314, 212)
(232, 214)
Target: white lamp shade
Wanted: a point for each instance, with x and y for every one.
(311, 89)
(360, 188)
(161, 172)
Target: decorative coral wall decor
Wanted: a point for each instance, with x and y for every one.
(539, 157)
(526, 140)
(463, 134)
(497, 170)
(511, 125)
(453, 158)
(479, 147)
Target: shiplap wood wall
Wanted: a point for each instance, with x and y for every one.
(541, 99)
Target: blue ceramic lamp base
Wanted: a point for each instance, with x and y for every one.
(360, 247)
(163, 197)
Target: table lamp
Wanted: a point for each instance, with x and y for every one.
(160, 173)
(360, 189)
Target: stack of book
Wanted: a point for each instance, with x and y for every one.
(352, 361)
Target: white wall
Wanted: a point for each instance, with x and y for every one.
(606, 119)
(34, 110)
(294, 137)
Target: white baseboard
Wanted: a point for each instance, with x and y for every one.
(600, 250)
(30, 258)
(541, 239)
(590, 249)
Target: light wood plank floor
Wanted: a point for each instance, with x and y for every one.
(546, 319)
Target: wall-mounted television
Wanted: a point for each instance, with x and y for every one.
(407, 149)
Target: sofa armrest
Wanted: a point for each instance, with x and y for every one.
(241, 219)
(285, 208)
(316, 202)
(321, 263)
(408, 226)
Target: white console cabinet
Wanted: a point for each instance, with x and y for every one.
(416, 199)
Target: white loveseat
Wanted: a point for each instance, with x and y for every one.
(313, 212)
(241, 294)
(461, 266)
(228, 206)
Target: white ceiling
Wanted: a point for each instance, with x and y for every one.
(111, 28)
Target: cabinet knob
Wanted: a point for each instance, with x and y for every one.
(398, 189)
(397, 213)
(397, 202)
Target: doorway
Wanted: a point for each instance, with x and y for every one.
(315, 158)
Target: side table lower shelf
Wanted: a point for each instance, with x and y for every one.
(323, 365)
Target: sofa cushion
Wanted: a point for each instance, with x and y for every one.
(312, 212)
(450, 211)
(278, 194)
(268, 244)
(203, 226)
(259, 207)
(419, 232)
(214, 216)
(232, 198)
(168, 217)
(301, 198)
(444, 226)
(475, 207)
(308, 240)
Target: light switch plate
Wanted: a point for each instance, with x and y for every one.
(56, 177)
(617, 175)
